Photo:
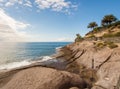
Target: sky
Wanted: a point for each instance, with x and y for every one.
(51, 20)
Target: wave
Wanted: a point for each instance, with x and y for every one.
(57, 48)
(13, 65)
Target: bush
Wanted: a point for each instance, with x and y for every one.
(112, 25)
(101, 44)
(92, 36)
(78, 38)
(102, 28)
(111, 44)
(107, 35)
(117, 34)
(108, 44)
(111, 35)
(116, 23)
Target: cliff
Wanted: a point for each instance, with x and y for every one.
(106, 33)
(99, 65)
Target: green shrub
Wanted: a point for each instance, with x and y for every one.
(107, 43)
(91, 36)
(105, 27)
(95, 30)
(78, 38)
(111, 44)
(117, 34)
(116, 23)
(107, 35)
(100, 44)
(113, 24)
(111, 35)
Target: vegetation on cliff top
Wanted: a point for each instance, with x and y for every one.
(92, 25)
(101, 44)
(78, 38)
(108, 21)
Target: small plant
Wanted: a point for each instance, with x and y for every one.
(95, 30)
(107, 35)
(111, 45)
(92, 36)
(105, 44)
(78, 38)
(112, 35)
(117, 34)
(100, 44)
(108, 22)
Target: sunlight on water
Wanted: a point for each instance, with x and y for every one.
(18, 52)
(8, 52)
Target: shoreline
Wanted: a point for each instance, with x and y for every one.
(7, 74)
(58, 63)
(81, 59)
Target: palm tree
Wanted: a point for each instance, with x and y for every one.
(92, 25)
(108, 19)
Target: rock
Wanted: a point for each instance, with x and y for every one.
(44, 78)
(74, 88)
(99, 67)
(106, 63)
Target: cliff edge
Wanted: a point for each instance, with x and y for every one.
(97, 64)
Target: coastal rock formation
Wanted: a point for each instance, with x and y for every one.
(77, 66)
(104, 61)
(44, 78)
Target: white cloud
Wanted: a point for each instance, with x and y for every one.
(9, 4)
(56, 5)
(1, 0)
(64, 39)
(20, 1)
(28, 3)
(10, 28)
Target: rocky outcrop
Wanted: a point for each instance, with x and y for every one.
(77, 66)
(106, 63)
(43, 78)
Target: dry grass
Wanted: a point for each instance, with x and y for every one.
(102, 44)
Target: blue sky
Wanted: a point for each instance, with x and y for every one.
(53, 22)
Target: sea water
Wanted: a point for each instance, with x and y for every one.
(20, 54)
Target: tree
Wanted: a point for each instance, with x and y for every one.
(108, 19)
(78, 38)
(92, 25)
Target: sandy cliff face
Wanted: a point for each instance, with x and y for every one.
(105, 31)
(106, 63)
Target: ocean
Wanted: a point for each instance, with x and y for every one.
(19, 54)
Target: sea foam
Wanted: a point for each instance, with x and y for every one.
(12, 65)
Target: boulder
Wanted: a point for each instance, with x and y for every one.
(44, 78)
